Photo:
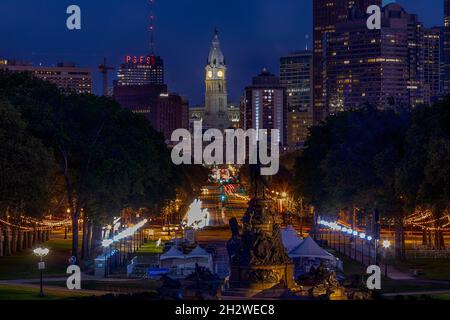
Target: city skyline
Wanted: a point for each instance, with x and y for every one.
(265, 38)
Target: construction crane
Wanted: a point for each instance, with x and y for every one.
(104, 69)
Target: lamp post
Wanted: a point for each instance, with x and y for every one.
(362, 236)
(41, 253)
(386, 246)
(369, 238)
(66, 227)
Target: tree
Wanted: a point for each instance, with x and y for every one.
(26, 167)
(423, 175)
(110, 158)
(350, 161)
(26, 174)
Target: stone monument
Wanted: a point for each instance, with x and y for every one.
(259, 264)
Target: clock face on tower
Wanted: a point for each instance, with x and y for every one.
(220, 74)
(210, 74)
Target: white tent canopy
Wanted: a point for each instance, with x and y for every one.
(290, 238)
(310, 249)
(198, 252)
(173, 253)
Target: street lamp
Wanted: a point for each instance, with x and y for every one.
(386, 246)
(41, 253)
(362, 236)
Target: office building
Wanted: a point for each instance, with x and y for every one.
(326, 14)
(383, 67)
(296, 77)
(446, 49)
(165, 111)
(66, 76)
(264, 106)
(140, 70)
(432, 63)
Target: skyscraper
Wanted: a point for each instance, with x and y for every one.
(415, 30)
(264, 106)
(216, 94)
(326, 14)
(431, 63)
(374, 66)
(140, 70)
(296, 77)
(446, 57)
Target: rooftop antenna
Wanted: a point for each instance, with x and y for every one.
(152, 29)
(306, 41)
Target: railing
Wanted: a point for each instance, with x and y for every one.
(428, 254)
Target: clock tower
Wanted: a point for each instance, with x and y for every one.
(216, 95)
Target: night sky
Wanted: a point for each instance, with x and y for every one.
(254, 34)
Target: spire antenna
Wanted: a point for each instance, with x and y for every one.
(152, 28)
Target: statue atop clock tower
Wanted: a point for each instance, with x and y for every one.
(216, 95)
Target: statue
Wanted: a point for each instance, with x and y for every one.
(325, 284)
(258, 258)
(258, 183)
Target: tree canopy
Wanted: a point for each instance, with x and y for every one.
(110, 159)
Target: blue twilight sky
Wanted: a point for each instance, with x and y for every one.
(254, 34)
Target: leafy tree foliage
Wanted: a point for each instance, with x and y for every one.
(110, 158)
(26, 167)
(389, 161)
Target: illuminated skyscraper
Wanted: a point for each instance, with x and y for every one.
(326, 14)
(296, 77)
(446, 51)
(382, 67)
(140, 70)
(431, 63)
(264, 106)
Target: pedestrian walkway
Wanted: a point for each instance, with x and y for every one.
(395, 274)
(19, 283)
(417, 293)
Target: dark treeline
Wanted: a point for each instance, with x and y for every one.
(392, 162)
(79, 152)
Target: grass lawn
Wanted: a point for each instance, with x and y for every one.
(150, 247)
(445, 297)
(12, 292)
(351, 267)
(433, 269)
(23, 265)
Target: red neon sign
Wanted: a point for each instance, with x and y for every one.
(148, 60)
